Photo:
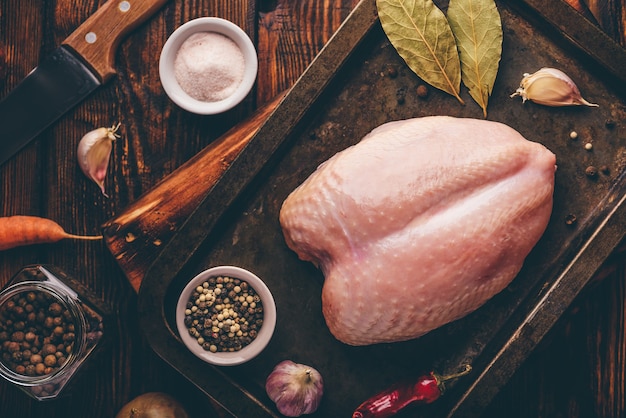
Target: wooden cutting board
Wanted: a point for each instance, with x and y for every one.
(610, 15)
(138, 234)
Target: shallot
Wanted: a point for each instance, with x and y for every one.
(152, 405)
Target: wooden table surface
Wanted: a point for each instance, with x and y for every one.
(578, 370)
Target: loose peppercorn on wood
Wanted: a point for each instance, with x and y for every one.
(420, 223)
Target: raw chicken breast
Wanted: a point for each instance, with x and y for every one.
(419, 224)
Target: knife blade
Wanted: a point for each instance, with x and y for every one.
(84, 61)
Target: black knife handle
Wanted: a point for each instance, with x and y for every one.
(97, 39)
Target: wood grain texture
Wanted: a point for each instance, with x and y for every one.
(578, 371)
(137, 235)
(610, 15)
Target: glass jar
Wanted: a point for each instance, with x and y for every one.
(49, 325)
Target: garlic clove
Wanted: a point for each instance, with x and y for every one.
(296, 389)
(550, 87)
(94, 153)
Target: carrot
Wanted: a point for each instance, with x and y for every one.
(16, 231)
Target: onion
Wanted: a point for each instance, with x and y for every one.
(153, 405)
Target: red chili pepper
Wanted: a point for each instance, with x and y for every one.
(425, 390)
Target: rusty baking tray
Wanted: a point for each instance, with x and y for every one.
(343, 95)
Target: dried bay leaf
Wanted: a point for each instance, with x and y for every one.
(477, 27)
(420, 32)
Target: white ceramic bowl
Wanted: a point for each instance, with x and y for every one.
(173, 44)
(251, 350)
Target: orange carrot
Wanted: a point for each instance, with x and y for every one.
(16, 231)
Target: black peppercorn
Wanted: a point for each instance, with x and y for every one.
(422, 91)
(591, 172)
(218, 312)
(401, 95)
(391, 71)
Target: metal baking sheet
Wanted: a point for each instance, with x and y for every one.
(346, 92)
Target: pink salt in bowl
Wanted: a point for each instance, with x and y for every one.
(208, 65)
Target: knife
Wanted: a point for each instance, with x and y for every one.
(83, 62)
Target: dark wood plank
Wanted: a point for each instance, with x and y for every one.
(157, 137)
(610, 15)
(578, 370)
(137, 235)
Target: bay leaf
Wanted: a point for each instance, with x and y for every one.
(420, 32)
(477, 28)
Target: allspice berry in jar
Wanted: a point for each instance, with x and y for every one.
(48, 328)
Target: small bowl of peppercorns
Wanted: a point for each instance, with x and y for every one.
(226, 315)
(49, 326)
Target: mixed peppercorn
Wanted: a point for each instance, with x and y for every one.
(37, 333)
(224, 314)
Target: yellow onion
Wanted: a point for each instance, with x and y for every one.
(296, 389)
(550, 87)
(94, 152)
(153, 405)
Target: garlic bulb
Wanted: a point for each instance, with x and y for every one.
(550, 87)
(296, 389)
(94, 152)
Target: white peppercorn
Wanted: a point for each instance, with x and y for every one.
(222, 304)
